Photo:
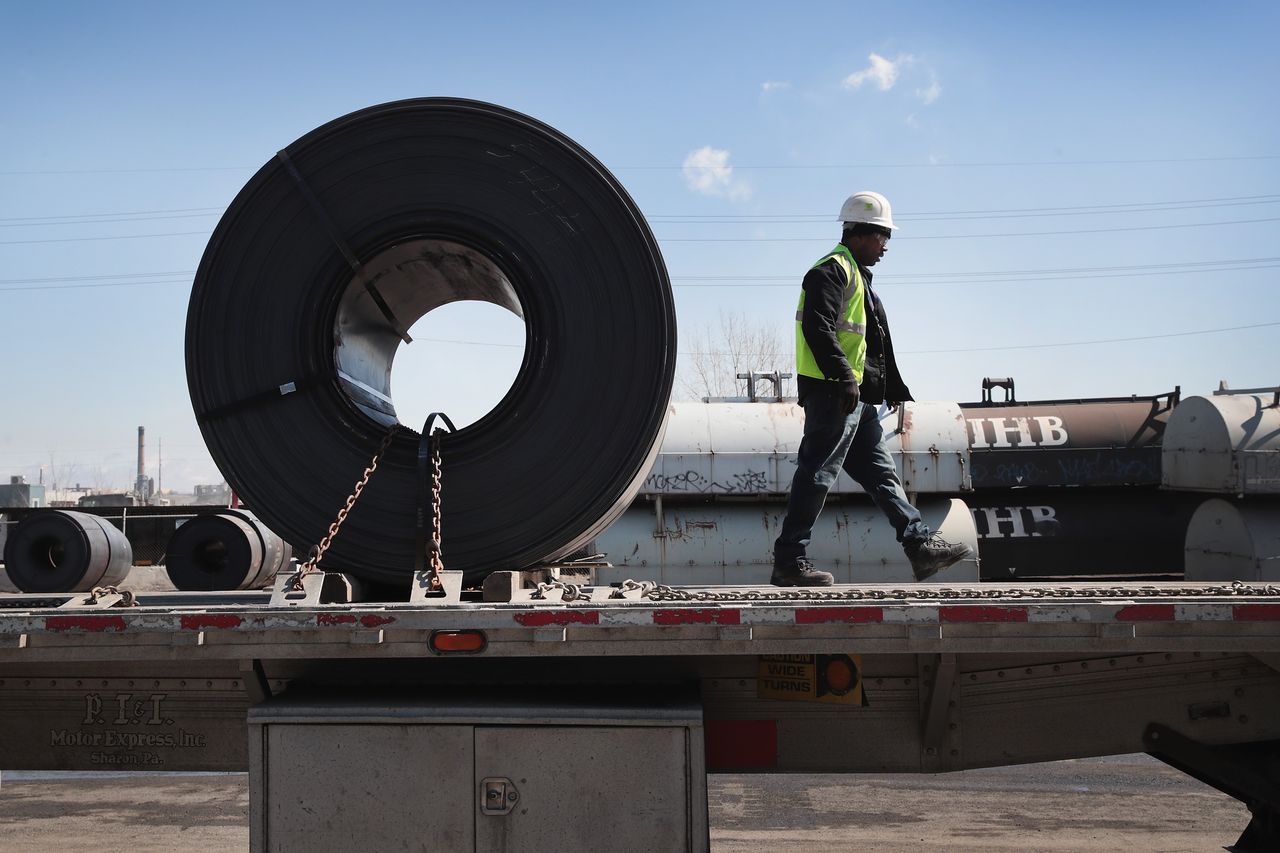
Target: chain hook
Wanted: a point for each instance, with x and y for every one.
(429, 470)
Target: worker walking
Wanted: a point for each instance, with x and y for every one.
(845, 368)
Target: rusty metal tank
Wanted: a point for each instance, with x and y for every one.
(1228, 444)
(1234, 541)
(730, 542)
(748, 450)
(1099, 442)
(1056, 533)
(1056, 489)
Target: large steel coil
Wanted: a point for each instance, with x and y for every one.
(63, 551)
(337, 246)
(229, 550)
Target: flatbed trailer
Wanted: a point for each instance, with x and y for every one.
(569, 715)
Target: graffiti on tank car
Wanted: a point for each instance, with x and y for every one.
(1106, 467)
(1037, 431)
(1262, 471)
(686, 481)
(743, 483)
(750, 482)
(1014, 474)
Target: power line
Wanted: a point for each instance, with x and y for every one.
(93, 286)
(953, 277)
(1024, 272)
(962, 349)
(975, 164)
(1009, 277)
(128, 171)
(96, 277)
(118, 237)
(111, 213)
(1055, 345)
(760, 239)
(969, 236)
(1060, 344)
(696, 218)
(48, 223)
(1005, 213)
(762, 166)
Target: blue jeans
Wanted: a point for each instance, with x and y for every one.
(833, 440)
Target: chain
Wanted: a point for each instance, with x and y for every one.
(317, 552)
(437, 558)
(126, 596)
(628, 585)
(568, 591)
(662, 592)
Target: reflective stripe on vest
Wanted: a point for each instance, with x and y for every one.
(842, 326)
(851, 325)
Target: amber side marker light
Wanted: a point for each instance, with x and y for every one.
(458, 642)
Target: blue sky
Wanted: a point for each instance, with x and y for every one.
(738, 127)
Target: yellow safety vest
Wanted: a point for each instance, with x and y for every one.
(851, 327)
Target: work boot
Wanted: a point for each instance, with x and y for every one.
(799, 572)
(932, 555)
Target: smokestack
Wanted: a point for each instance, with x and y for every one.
(141, 486)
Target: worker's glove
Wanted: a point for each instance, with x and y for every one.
(848, 394)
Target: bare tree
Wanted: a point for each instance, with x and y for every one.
(713, 356)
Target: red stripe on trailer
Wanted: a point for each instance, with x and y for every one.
(373, 620)
(335, 619)
(961, 613)
(1146, 613)
(201, 622)
(850, 615)
(1256, 612)
(741, 744)
(93, 624)
(537, 619)
(697, 616)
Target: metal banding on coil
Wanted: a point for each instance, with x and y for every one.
(64, 551)
(228, 550)
(437, 201)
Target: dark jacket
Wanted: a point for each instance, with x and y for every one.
(823, 293)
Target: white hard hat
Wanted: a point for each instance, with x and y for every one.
(866, 206)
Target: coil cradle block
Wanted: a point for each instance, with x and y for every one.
(337, 246)
(231, 549)
(64, 551)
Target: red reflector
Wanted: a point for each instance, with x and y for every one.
(458, 642)
(741, 744)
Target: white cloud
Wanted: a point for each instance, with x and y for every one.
(707, 171)
(774, 86)
(884, 75)
(912, 121)
(930, 93)
(883, 72)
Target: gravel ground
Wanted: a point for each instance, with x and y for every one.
(1126, 802)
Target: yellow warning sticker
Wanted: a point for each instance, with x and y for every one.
(811, 678)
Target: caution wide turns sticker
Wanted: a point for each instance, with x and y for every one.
(811, 678)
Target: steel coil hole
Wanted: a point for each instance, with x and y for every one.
(47, 552)
(379, 372)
